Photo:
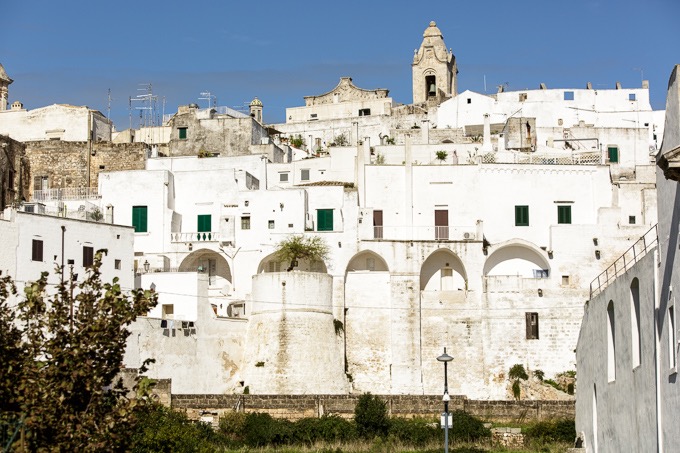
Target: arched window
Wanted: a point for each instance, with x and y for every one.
(611, 342)
(635, 322)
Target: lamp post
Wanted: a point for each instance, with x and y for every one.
(146, 266)
(446, 359)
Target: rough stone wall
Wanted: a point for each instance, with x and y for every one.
(294, 407)
(65, 163)
(14, 171)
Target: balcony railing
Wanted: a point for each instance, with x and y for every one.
(205, 236)
(512, 283)
(648, 241)
(423, 233)
(69, 193)
(504, 157)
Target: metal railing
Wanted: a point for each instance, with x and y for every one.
(66, 194)
(631, 256)
(206, 236)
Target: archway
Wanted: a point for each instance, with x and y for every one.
(519, 259)
(443, 271)
(367, 260)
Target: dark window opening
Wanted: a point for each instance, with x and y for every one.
(564, 214)
(441, 224)
(139, 219)
(532, 325)
(182, 133)
(613, 154)
(37, 250)
(245, 223)
(324, 220)
(88, 256)
(631, 219)
(364, 112)
(521, 215)
(378, 224)
(469, 101)
(431, 85)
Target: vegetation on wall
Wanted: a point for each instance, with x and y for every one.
(517, 373)
(299, 247)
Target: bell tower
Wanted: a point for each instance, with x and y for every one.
(5, 81)
(434, 69)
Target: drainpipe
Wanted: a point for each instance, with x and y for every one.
(657, 359)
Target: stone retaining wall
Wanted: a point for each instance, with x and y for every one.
(294, 407)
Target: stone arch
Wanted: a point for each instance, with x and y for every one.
(270, 264)
(367, 260)
(209, 262)
(443, 271)
(517, 257)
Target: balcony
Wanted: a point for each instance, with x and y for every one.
(204, 236)
(423, 233)
(69, 193)
(512, 283)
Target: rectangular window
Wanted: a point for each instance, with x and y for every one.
(564, 214)
(565, 280)
(40, 183)
(182, 133)
(324, 220)
(304, 174)
(469, 101)
(139, 218)
(672, 361)
(37, 250)
(274, 266)
(271, 224)
(532, 325)
(204, 223)
(631, 219)
(377, 224)
(364, 112)
(631, 97)
(613, 154)
(568, 95)
(441, 224)
(88, 256)
(116, 264)
(245, 223)
(283, 177)
(521, 215)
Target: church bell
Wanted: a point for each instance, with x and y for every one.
(433, 90)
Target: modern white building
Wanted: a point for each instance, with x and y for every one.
(627, 353)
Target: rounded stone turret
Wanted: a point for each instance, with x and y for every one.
(292, 343)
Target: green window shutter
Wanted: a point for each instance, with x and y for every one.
(521, 215)
(204, 223)
(613, 153)
(182, 133)
(139, 219)
(564, 214)
(324, 220)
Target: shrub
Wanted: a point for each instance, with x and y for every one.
(441, 155)
(370, 416)
(261, 430)
(416, 432)
(562, 430)
(328, 428)
(160, 429)
(467, 427)
(518, 372)
(539, 374)
(232, 425)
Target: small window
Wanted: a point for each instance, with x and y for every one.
(182, 133)
(290, 225)
(541, 273)
(41, 183)
(168, 311)
(274, 266)
(139, 218)
(245, 223)
(313, 116)
(568, 95)
(613, 154)
(283, 177)
(631, 220)
(631, 97)
(531, 325)
(324, 220)
(469, 100)
(564, 214)
(204, 223)
(521, 215)
(522, 97)
(672, 359)
(37, 250)
(304, 175)
(271, 224)
(364, 112)
(88, 256)
(565, 280)
(116, 264)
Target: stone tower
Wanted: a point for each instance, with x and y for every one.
(256, 109)
(5, 81)
(434, 69)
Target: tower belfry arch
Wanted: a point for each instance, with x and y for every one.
(434, 69)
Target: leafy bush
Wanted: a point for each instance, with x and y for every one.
(160, 429)
(442, 155)
(416, 432)
(328, 428)
(370, 416)
(262, 430)
(467, 428)
(539, 374)
(232, 425)
(518, 372)
(562, 430)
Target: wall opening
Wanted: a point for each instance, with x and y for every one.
(635, 322)
(611, 342)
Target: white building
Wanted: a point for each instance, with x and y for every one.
(627, 353)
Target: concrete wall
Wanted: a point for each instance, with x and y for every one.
(14, 172)
(58, 121)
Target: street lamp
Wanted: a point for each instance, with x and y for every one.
(446, 359)
(146, 266)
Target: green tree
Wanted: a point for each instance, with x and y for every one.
(517, 373)
(298, 247)
(370, 416)
(441, 155)
(59, 371)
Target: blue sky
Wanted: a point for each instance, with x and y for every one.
(75, 51)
